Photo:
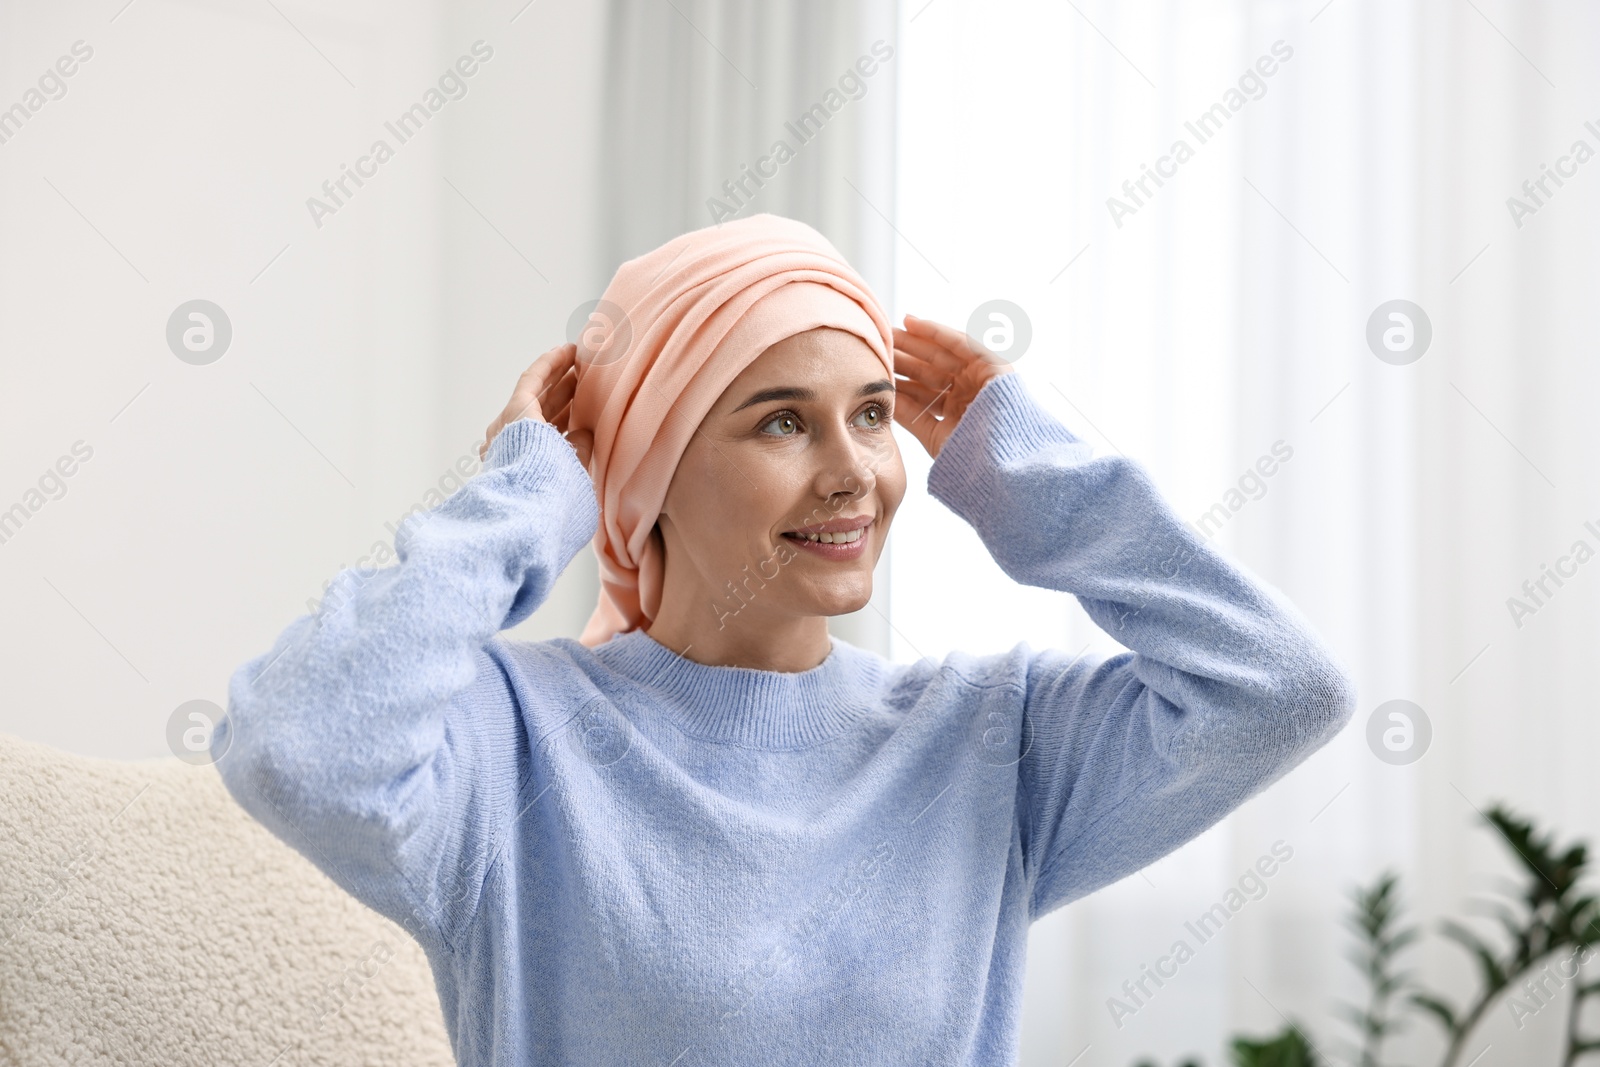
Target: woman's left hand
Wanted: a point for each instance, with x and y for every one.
(939, 371)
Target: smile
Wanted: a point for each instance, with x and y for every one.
(843, 537)
(841, 540)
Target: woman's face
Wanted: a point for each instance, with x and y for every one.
(801, 438)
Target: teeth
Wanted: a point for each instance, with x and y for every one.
(834, 538)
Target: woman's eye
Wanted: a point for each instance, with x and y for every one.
(787, 420)
(879, 413)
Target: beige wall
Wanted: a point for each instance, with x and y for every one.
(365, 359)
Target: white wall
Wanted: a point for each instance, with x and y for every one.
(365, 360)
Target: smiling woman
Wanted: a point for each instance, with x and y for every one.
(703, 837)
(767, 458)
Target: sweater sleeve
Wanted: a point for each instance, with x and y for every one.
(1226, 686)
(378, 737)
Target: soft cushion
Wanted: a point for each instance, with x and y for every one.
(146, 918)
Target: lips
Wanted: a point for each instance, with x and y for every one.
(832, 531)
(840, 539)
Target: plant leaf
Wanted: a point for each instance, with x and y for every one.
(1437, 1008)
(1494, 975)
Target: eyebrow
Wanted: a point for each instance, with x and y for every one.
(795, 392)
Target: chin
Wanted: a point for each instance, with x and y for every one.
(843, 601)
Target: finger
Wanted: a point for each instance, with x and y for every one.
(560, 394)
(917, 405)
(530, 384)
(924, 389)
(942, 363)
(563, 418)
(532, 379)
(531, 402)
(909, 389)
(931, 352)
(522, 404)
(913, 414)
(947, 337)
(553, 362)
(548, 369)
(489, 435)
(920, 370)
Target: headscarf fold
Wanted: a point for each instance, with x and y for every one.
(673, 329)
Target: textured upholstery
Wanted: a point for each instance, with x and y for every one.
(145, 918)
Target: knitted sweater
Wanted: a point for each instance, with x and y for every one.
(620, 856)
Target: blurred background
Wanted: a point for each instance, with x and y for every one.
(1369, 269)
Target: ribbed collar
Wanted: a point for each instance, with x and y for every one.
(755, 708)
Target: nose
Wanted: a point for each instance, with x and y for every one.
(848, 462)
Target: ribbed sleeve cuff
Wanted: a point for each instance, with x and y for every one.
(1003, 424)
(534, 452)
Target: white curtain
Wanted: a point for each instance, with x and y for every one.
(698, 94)
(1221, 317)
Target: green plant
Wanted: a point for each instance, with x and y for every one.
(1375, 922)
(1576, 1045)
(1288, 1049)
(1547, 914)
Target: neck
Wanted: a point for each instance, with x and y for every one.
(789, 643)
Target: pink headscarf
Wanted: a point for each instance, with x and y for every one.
(675, 327)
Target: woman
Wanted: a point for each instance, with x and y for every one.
(708, 833)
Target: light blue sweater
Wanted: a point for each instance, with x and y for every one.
(621, 856)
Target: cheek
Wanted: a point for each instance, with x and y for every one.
(899, 483)
(769, 491)
(698, 496)
(738, 504)
(892, 483)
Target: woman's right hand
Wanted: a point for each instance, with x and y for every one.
(547, 386)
